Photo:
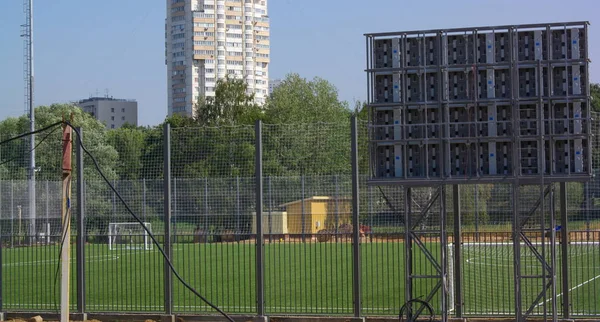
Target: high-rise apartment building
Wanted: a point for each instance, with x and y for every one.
(207, 40)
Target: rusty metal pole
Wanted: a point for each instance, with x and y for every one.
(67, 148)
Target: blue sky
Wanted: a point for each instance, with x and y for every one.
(84, 46)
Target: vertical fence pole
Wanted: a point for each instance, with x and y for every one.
(237, 209)
(260, 305)
(408, 267)
(516, 234)
(167, 220)
(80, 226)
(371, 212)
(476, 212)
(65, 255)
(457, 252)
(206, 228)
(12, 213)
(1, 260)
(270, 211)
(114, 202)
(174, 208)
(303, 215)
(587, 209)
(144, 199)
(355, 220)
(47, 228)
(337, 208)
(564, 243)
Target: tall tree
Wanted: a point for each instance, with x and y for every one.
(298, 100)
(48, 143)
(308, 129)
(595, 94)
(231, 105)
(129, 143)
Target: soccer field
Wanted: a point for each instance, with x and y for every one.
(311, 278)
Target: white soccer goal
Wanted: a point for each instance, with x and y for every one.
(129, 235)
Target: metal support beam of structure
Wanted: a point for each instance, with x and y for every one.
(168, 242)
(28, 75)
(488, 105)
(456, 243)
(416, 233)
(81, 233)
(260, 242)
(535, 237)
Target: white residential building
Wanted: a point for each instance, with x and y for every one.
(207, 40)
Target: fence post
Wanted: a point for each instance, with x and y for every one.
(237, 209)
(337, 207)
(457, 252)
(12, 213)
(260, 305)
(80, 226)
(476, 212)
(47, 227)
(355, 220)
(1, 260)
(206, 221)
(303, 215)
(564, 243)
(173, 207)
(144, 199)
(167, 220)
(114, 203)
(270, 211)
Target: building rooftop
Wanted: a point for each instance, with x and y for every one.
(98, 98)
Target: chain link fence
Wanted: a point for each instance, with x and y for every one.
(307, 224)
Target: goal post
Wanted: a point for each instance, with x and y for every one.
(129, 235)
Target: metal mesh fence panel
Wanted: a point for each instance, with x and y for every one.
(308, 262)
(30, 239)
(487, 255)
(213, 202)
(121, 274)
(307, 225)
(382, 248)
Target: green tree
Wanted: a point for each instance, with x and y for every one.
(48, 152)
(300, 101)
(129, 143)
(231, 105)
(595, 95)
(308, 129)
(49, 143)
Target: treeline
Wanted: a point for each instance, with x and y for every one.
(306, 133)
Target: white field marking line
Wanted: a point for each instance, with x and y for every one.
(31, 263)
(571, 289)
(531, 263)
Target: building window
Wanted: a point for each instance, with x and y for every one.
(123, 110)
(112, 126)
(112, 109)
(122, 118)
(112, 118)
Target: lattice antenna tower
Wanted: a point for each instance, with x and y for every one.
(28, 75)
